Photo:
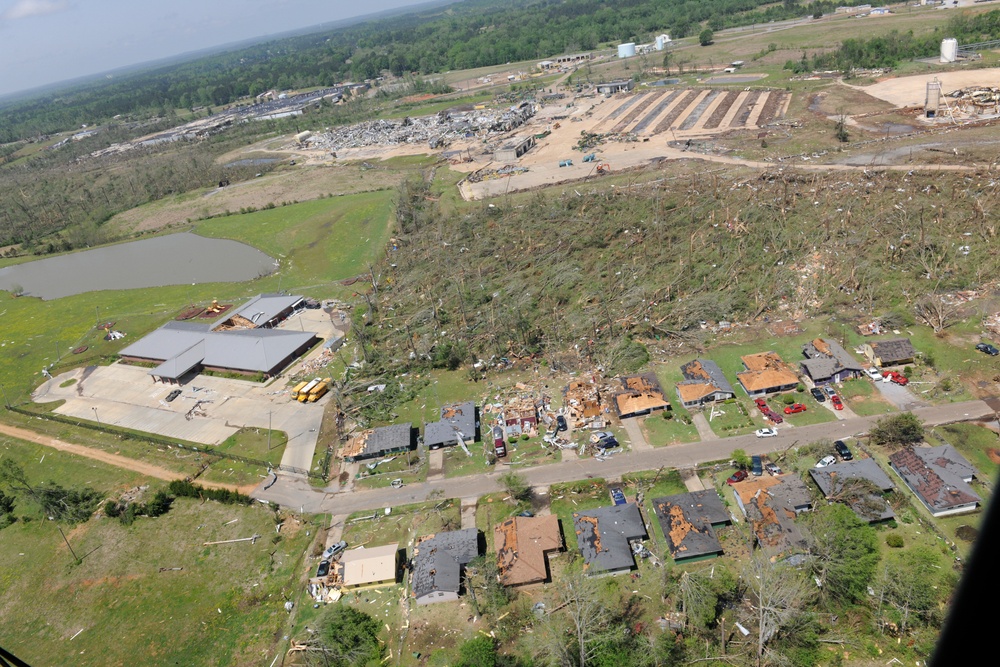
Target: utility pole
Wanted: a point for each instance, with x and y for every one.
(6, 403)
(75, 557)
(97, 418)
(268, 430)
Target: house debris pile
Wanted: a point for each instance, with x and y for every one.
(583, 398)
(437, 131)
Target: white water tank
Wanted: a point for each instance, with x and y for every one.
(949, 50)
(626, 50)
(662, 42)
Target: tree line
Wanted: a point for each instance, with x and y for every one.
(475, 33)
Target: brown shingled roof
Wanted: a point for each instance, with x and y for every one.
(695, 391)
(522, 545)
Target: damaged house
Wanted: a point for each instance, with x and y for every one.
(523, 546)
(457, 422)
(582, 399)
(827, 362)
(439, 562)
(704, 382)
(688, 521)
(939, 476)
(605, 537)
(381, 441)
(891, 352)
(641, 395)
(837, 482)
(766, 373)
(771, 505)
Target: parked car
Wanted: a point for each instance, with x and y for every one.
(988, 349)
(795, 408)
(826, 461)
(893, 376)
(873, 373)
(761, 403)
(756, 466)
(334, 549)
(837, 403)
(818, 394)
(607, 443)
(617, 496)
(772, 468)
(172, 395)
(737, 476)
(499, 444)
(830, 391)
(842, 449)
(323, 569)
(561, 423)
(766, 432)
(775, 417)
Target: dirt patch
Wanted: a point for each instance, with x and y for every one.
(994, 455)
(966, 533)
(911, 90)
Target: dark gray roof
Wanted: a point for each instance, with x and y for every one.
(937, 485)
(439, 559)
(686, 520)
(396, 437)
(893, 350)
(706, 369)
(831, 479)
(454, 418)
(948, 459)
(834, 352)
(264, 307)
(792, 493)
(252, 350)
(820, 369)
(603, 536)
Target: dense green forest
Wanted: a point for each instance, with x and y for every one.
(473, 33)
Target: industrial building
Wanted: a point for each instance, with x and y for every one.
(513, 149)
(611, 87)
(243, 342)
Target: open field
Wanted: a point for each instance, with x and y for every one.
(134, 580)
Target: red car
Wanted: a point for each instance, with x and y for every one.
(896, 377)
(738, 476)
(837, 403)
(795, 408)
(761, 403)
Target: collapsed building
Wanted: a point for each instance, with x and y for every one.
(584, 404)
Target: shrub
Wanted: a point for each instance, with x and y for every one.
(800, 388)
(908, 371)
(668, 414)
(787, 399)
(894, 540)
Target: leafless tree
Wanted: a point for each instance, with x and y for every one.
(776, 594)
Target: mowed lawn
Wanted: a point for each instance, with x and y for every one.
(222, 605)
(316, 241)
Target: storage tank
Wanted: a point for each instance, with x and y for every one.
(662, 42)
(626, 50)
(949, 50)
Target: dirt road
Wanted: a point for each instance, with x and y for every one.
(115, 460)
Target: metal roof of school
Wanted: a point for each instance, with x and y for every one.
(177, 344)
(263, 308)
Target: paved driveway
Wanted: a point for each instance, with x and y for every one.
(899, 396)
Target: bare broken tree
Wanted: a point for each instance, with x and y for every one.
(777, 593)
(935, 313)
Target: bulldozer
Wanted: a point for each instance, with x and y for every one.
(603, 168)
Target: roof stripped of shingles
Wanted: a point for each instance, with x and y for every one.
(522, 545)
(686, 520)
(766, 370)
(939, 488)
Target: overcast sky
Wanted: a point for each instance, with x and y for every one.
(46, 41)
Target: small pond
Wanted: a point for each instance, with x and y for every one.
(176, 259)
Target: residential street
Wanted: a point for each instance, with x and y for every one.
(294, 492)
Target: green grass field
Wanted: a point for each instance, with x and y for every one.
(119, 599)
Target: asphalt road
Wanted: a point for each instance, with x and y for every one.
(292, 491)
